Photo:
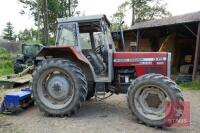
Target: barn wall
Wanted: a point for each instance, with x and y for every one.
(130, 38)
(145, 45)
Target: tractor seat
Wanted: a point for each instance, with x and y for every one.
(95, 60)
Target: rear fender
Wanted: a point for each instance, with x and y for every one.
(69, 53)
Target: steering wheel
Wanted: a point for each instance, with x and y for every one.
(99, 49)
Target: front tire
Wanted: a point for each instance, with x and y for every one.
(152, 98)
(59, 87)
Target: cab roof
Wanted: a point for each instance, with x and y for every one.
(82, 19)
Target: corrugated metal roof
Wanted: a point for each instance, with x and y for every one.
(83, 18)
(186, 18)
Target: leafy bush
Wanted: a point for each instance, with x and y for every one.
(4, 54)
(6, 64)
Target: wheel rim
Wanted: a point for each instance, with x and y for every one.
(55, 88)
(152, 102)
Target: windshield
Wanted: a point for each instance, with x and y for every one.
(67, 35)
(30, 50)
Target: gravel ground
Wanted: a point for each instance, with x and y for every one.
(109, 116)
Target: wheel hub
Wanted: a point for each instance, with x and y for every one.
(58, 87)
(151, 102)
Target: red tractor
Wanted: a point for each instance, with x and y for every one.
(84, 64)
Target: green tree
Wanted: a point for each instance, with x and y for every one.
(8, 31)
(28, 35)
(56, 9)
(25, 35)
(118, 17)
(143, 10)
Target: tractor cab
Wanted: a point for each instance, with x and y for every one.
(92, 38)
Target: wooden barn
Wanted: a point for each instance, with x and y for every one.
(177, 34)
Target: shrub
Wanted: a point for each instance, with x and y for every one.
(6, 64)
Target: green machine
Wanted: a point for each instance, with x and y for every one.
(27, 57)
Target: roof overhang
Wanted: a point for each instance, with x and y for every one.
(174, 20)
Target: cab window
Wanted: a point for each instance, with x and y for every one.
(67, 35)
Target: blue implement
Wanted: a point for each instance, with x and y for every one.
(16, 100)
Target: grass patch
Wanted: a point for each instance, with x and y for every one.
(7, 71)
(191, 86)
(6, 64)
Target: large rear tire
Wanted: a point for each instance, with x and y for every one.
(59, 87)
(152, 98)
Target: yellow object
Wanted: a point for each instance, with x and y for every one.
(188, 58)
(168, 44)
